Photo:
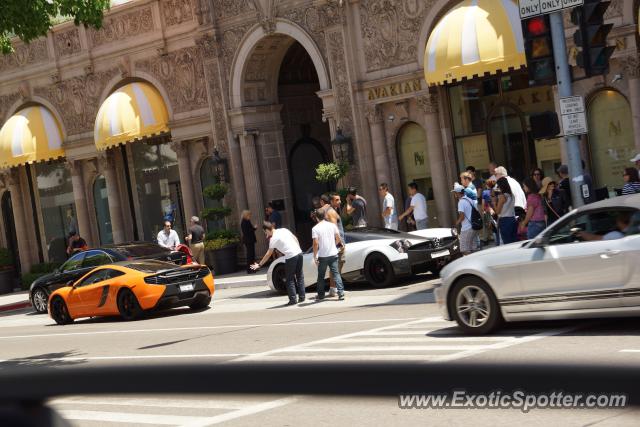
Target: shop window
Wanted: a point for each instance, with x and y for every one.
(57, 205)
(103, 217)
(208, 176)
(157, 181)
(610, 138)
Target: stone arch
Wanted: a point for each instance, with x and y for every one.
(37, 100)
(138, 76)
(254, 36)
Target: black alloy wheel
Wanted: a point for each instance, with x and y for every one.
(279, 277)
(378, 270)
(128, 305)
(39, 299)
(59, 311)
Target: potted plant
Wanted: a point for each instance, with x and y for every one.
(7, 271)
(221, 244)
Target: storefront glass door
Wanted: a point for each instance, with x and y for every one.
(508, 144)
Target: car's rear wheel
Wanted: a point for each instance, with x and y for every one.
(39, 299)
(378, 270)
(59, 311)
(474, 306)
(128, 305)
(200, 303)
(279, 277)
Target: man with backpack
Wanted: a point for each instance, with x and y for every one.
(469, 220)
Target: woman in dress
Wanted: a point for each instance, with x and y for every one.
(552, 201)
(505, 208)
(534, 221)
(248, 239)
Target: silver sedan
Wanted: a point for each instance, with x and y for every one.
(586, 264)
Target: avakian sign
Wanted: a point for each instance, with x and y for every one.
(529, 8)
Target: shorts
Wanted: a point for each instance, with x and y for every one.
(467, 240)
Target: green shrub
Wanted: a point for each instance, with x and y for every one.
(215, 191)
(220, 243)
(28, 278)
(216, 214)
(44, 268)
(6, 257)
(222, 233)
(221, 237)
(331, 172)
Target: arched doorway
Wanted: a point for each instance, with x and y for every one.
(414, 166)
(509, 145)
(611, 140)
(10, 229)
(101, 204)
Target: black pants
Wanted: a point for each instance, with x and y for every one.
(295, 277)
(251, 254)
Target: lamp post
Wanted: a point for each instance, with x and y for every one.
(341, 146)
(219, 166)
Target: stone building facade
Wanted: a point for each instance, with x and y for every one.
(267, 83)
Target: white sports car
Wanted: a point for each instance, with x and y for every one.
(378, 256)
(586, 264)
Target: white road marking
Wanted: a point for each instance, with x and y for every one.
(129, 418)
(201, 328)
(139, 357)
(153, 403)
(629, 350)
(253, 409)
(392, 348)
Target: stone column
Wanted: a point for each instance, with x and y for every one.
(378, 143)
(429, 105)
(186, 179)
(12, 180)
(237, 173)
(82, 210)
(631, 66)
(253, 184)
(107, 164)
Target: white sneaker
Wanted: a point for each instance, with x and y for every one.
(333, 292)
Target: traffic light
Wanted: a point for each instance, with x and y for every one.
(538, 48)
(591, 36)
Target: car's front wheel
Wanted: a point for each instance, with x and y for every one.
(59, 311)
(39, 298)
(378, 270)
(474, 307)
(279, 278)
(128, 305)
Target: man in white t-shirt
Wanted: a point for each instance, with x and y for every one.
(326, 239)
(418, 207)
(519, 198)
(465, 210)
(287, 244)
(167, 237)
(389, 212)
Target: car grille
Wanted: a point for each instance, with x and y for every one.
(446, 241)
(177, 276)
(429, 244)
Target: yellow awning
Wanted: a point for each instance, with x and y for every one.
(132, 112)
(31, 135)
(475, 38)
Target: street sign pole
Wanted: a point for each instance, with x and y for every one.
(563, 76)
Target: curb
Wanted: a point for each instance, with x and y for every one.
(247, 284)
(15, 306)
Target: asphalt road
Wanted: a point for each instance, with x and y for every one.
(392, 325)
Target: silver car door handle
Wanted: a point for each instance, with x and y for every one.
(610, 253)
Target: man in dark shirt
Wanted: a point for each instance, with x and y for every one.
(76, 243)
(274, 216)
(356, 207)
(564, 185)
(196, 240)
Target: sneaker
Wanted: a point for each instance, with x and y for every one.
(301, 299)
(333, 292)
(341, 297)
(319, 297)
(292, 302)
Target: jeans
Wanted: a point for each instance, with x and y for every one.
(422, 224)
(534, 228)
(295, 277)
(508, 229)
(332, 263)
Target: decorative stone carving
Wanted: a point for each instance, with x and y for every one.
(25, 55)
(340, 81)
(7, 101)
(230, 8)
(77, 99)
(428, 103)
(67, 42)
(268, 23)
(208, 44)
(389, 29)
(180, 147)
(123, 26)
(614, 9)
(374, 114)
(181, 73)
(177, 11)
(203, 12)
(74, 167)
(630, 66)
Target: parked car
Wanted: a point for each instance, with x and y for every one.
(378, 256)
(584, 265)
(81, 263)
(131, 288)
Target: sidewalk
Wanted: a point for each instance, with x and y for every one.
(20, 300)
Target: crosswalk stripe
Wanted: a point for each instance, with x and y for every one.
(419, 339)
(250, 410)
(153, 403)
(127, 417)
(389, 348)
(355, 357)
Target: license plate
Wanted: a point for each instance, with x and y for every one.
(186, 288)
(439, 254)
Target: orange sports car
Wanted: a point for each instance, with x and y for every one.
(129, 288)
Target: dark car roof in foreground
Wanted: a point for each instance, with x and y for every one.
(631, 201)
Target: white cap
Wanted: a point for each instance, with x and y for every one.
(501, 171)
(457, 188)
(636, 158)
